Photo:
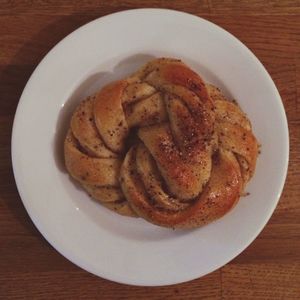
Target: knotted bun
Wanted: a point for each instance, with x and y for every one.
(162, 145)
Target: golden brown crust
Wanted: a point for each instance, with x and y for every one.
(107, 194)
(162, 145)
(184, 177)
(109, 115)
(84, 129)
(122, 208)
(219, 195)
(90, 170)
(235, 133)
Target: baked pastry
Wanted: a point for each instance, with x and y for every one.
(162, 145)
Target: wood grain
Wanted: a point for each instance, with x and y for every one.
(31, 269)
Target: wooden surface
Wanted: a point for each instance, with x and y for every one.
(30, 268)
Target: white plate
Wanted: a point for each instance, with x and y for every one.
(130, 250)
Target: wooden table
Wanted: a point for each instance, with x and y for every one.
(30, 268)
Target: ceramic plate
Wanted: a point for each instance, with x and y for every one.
(130, 250)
